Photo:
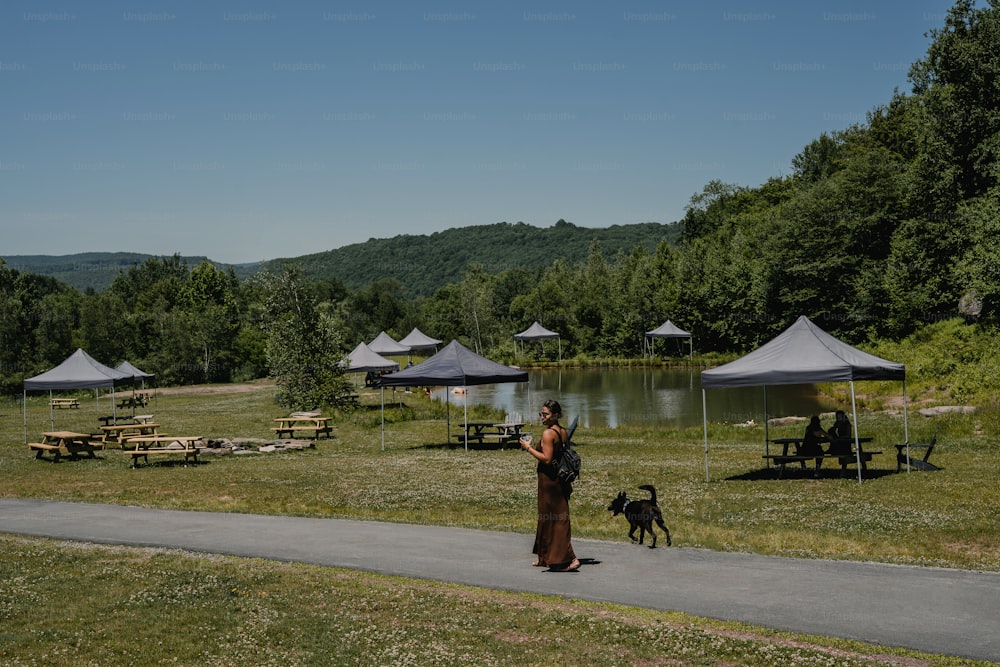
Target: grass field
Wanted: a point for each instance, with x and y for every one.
(251, 612)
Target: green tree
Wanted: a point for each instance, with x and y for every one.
(378, 307)
(978, 272)
(304, 348)
(212, 316)
(958, 83)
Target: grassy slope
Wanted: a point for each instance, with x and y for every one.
(250, 612)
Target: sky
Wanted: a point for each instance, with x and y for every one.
(247, 131)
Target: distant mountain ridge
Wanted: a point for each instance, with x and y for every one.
(422, 263)
(425, 263)
(96, 270)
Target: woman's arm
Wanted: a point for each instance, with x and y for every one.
(548, 450)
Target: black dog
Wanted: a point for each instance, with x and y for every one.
(641, 514)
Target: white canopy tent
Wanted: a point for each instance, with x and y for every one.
(666, 330)
(536, 332)
(803, 354)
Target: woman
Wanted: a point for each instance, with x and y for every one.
(811, 440)
(840, 434)
(552, 534)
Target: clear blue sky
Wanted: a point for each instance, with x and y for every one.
(253, 130)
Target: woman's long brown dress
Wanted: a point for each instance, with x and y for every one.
(552, 535)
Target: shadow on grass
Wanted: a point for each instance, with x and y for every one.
(64, 458)
(807, 473)
(473, 446)
(169, 463)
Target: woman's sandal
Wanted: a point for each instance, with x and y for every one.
(573, 567)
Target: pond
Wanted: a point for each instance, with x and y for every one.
(611, 397)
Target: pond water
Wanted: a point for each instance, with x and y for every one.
(613, 397)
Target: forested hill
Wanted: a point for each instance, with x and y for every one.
(94, 270)
(425, 263)
(422, 263)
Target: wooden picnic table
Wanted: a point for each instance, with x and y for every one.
(846, 458)
(303, 422)
(145, 445)
(64, 403)
(137, 401)
(120, 432)
(68, 443)
(481, 432)
(113, 419)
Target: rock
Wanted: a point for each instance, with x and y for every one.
(945, 409)
(786, 421)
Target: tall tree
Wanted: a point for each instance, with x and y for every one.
(304, 349)
(959, 85)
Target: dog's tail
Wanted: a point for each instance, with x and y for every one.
(652, 492)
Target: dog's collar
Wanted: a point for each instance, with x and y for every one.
(625, 506)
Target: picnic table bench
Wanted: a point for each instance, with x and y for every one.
(64, 403)
(65, 443)
(303, 422)
(121, 432)
(844, 458)
(152, 445)
(113, 419)
(137, 401)
(478, 432)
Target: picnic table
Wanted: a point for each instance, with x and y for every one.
(121, 432)
(146, 445)
(303, 421)
(846, 458)
(64, 403)
(68, 443)
(137, 401)
(138, 419)
(481, 432)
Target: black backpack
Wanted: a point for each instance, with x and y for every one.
(568, 465)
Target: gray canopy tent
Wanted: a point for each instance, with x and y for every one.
(803, 354)
(135, 374)
(537, 332)
(666, 330)
(78, 371)
(361, 360)
(455, 366)
(418, 340)
(385, 344)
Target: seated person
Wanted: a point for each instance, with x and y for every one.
(840, 434)
(810, 441)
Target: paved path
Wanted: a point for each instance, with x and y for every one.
(949, 612)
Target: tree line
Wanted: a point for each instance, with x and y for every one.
(879, 230)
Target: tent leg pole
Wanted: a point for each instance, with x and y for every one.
(767, 437)
(383, 418)
(906, 428)
(704, 421)
(857, 443)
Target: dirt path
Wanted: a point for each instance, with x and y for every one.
(206, 389)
